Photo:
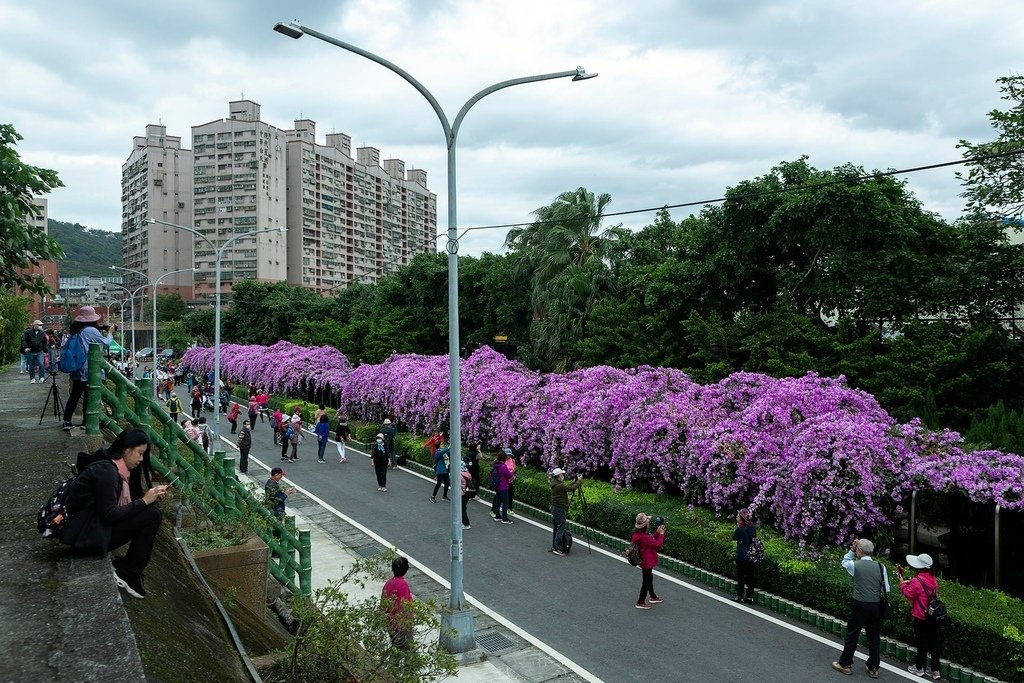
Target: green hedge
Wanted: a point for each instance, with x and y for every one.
(984, 630)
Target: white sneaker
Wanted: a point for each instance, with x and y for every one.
(31, 381)
(914, 670)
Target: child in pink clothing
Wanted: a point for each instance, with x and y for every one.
(395, 594)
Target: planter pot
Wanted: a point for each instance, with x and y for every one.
(240, 570)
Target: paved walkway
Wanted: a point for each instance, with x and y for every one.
(566, 619)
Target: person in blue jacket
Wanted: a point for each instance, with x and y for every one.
(441, 458)
(323, 431)
(746, 571)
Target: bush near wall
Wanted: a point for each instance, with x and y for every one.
(983, 630)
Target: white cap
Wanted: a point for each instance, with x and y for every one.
(557, 472)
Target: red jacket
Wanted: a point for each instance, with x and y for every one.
(648, 545)
(916, 594)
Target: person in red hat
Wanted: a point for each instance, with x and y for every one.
(84, 330)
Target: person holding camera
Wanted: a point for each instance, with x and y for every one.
(746, 571)
(649, 544)
(869, 581)
(560, 490)
(85, 330)
(919, 591)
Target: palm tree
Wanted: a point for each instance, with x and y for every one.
(569, 260)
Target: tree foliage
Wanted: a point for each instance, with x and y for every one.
(13, 322)
(170, 306)
(21, 245)
(87, 251)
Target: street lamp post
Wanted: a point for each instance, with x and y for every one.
(131, 297)
(216, 306)
(156, 286)
(457, 621)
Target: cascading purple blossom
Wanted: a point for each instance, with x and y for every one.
(816, 459)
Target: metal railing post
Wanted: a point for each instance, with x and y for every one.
(143, 402)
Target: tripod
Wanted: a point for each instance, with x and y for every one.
(584, 514)
(58, 404)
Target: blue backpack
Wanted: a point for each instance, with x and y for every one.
(73, 354)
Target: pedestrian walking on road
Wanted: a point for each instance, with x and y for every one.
(379, 458)
(869, 582)
(395, 594)
(560, 491)
(501, 479)
(323, 435)
(254, 408)
(276, 498)
(342, 434)
(441, 476)
(174, 407)
(33, 348)
(746, 571)
(275, 421)
(649, 545)
(389, 442)
(233, 413)
(473, 454)
(244, 444)
(919, 591)
(469, 490)
(197, 402)
(295, 436)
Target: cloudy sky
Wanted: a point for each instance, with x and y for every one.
(693, 96)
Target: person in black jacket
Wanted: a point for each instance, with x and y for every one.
(746, 571)
(33, 345)
(108, 509)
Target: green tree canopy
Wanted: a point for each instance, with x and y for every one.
(21, 245)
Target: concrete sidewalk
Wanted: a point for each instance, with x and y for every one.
(51, 603)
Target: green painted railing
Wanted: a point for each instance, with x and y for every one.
(207, 482)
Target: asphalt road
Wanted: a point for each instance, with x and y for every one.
(581, 605)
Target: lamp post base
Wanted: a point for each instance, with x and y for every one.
(457, 631)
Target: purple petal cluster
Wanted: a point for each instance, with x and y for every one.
(816, 459)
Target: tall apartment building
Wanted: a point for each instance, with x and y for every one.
(240, 185)
(156, 182)
(350, 219)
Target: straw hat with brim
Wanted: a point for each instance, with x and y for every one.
(642, 520)
(922, 561)
(87, 314)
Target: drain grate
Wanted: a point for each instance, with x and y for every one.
(495, 643)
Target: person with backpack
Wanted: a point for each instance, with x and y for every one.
(233, 413)
(33, 347)
(108, 509)
(254, 409)
(74, 357)
(648, 544)
(205, 435)
(342, 433)
(442, 478)
(389, 441)
(559, 506)
(294, 436)
(501, 481)
(922, 591)
(323, 436)
(244, 444)
(746, 569)
(174, 407)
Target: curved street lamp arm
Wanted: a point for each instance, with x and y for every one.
(501, 86)
(388, 65)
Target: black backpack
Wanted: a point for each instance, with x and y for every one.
(936, 610)
(53, 514)
(567, 542)
(495, 477)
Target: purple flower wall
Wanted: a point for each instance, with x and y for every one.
(818, 460)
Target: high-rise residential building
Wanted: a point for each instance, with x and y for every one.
(156, 182)
(351, 219)
(240, 183)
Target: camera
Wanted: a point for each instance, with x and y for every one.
(657, 522)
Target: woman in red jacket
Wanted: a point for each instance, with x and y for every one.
(648, 545)
(919, 591)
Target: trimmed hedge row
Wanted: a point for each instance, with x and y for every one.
(984, 629)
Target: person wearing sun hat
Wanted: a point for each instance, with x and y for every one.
(649, 545)
(390, 433)
(84, 330)
(919, 590)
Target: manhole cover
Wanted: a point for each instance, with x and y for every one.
(495, 642)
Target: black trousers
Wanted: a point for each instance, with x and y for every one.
(863, 615)
(442, 480)
(926, 637)
(139, 531)
(243, 458)
(647, 585)
(558, 527)
(746, 575)
(380, 467)
(79, 391)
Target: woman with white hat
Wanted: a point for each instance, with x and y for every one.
(919, 591)
(84, 331)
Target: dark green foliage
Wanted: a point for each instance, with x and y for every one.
(998, 428)
(170, 306)
(13, 322)
(87, 251)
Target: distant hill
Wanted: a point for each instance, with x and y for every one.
(87, 251)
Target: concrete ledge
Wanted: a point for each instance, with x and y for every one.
(97, 637)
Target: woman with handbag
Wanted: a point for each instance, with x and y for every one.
(649, 545)
(919, 592)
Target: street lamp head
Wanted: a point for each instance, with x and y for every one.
(292, 29)
(582, 75)
(282, 229)
(151, 220)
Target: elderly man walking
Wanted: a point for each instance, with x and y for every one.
(559, 505)
(869, 583)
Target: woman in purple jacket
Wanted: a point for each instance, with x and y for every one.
(505, 477)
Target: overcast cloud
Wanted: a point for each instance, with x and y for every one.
(693, 97)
